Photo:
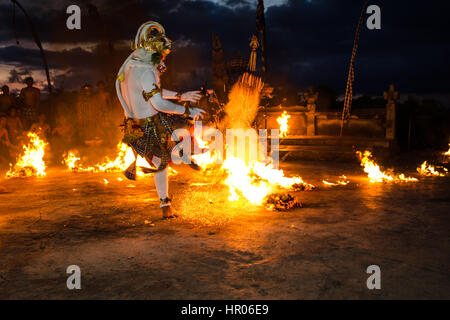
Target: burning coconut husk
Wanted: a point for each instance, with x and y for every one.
(31, 162)
(282, 202)
(375, 174)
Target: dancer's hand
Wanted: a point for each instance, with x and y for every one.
(196, 113)
(191, 96)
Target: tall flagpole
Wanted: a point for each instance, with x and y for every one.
(38, 43)
(261, 28)
(351, 73)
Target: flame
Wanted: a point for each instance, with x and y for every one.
(256, 180)
(447, 153)
(31, 163)
(70, 160)
(253, 181)
(206, 159)
(283, 122)
(375, 174)
(124, 158)
(240, 181)
(172, 171)
(427, 169)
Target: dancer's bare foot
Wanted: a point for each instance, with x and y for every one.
(168, 212)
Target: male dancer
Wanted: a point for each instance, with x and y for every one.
(148, 121)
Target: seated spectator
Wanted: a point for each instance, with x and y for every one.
(7, 101)
(14, 126)
(103, 100)
(62, 139)
(6, 147)
(41, 127)
(63, 131)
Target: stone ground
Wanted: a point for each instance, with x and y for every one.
(223, 250)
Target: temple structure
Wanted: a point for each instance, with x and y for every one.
(313, 133)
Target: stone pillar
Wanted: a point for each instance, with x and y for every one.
(391, 97)
(310, 123)
(311, 104)
(220, 79)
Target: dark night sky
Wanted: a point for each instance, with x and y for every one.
(309, 41)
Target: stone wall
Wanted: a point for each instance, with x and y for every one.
(369, 123)
(363, 123)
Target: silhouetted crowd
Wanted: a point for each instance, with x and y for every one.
(81, 119)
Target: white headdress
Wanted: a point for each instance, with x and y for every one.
(153, 42)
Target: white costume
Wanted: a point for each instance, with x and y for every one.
(144, 103)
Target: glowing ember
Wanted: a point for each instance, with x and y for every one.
(283, 122)
(31, 163)
(427, 169)
(341, 182)
(375, 174)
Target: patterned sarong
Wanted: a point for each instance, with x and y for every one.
(30, 113)
(150, 137)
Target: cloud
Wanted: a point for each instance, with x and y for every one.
(308, 42)
(18, 75)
